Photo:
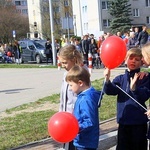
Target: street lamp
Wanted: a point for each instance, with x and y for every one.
(52, 32)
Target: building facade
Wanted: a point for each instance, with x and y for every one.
(39, 18)
(93, 17)
(21, 7)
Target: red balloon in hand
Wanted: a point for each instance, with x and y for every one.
(9, 53)
(113, 52)
(63, 127)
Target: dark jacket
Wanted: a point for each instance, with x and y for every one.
(17, 51)
(85, 46)
(86, 112)
(48, 48)
(93, 48)
(143, 37)
(128, 111)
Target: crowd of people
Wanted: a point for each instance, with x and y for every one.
(89, 44)
(11, 52)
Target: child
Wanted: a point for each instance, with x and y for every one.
(68, 57)
(146, 61)
(86, 108)
(132, 121)
(146, 54)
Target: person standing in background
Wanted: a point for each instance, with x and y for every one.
(85, 48)
(17, 52)
(143, 36)
(136, 33)
(48, 50)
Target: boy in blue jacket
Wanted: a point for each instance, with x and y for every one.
(132, 121)
(85, 109)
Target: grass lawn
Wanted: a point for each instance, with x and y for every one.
(33, 65)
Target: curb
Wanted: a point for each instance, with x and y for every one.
(108, 140)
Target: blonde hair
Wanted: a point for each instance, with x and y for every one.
(134, 52)
(69, 52)
(77, 73)
(146, 50)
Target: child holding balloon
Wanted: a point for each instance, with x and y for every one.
(86, 108)
(132, 121)
(68, 57)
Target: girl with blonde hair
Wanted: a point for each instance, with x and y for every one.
(69, 56)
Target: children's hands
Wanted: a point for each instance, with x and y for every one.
(107, 74)
(148, 113)
(142, 74)
(133, 81)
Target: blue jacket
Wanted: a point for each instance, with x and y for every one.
(128, 111)
(86, 112)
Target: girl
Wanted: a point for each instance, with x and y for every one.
(68, 56)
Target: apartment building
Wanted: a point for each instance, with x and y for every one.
(39, 18)
(93, 17)
(21, 6)
(88, 16)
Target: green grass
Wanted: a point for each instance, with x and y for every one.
(26, 66)
(24, 128)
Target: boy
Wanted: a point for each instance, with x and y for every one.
(132, 121)
(85, 109)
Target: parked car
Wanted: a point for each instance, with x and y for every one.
(32, 51)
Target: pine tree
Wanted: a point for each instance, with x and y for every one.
(120, 11)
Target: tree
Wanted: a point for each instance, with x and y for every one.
(59, 10)
(11, 20)
(120, 12)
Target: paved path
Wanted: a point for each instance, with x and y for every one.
(20, 86)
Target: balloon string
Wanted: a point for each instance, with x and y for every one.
(102, 92)
(131, 97)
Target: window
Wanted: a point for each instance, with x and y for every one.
(85, 26)
(85, 8)
(57, 9)
(24, 11)
(106, 22)
(136, 12)
(17, 3)
(24, 3)
(66, 3)
(66, 14)
(45, 9)
(104, 4)
(147, 3)
(148, 19)
(18, 10)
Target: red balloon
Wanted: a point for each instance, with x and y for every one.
(113, 52)
(9, 53)
(63, 127)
